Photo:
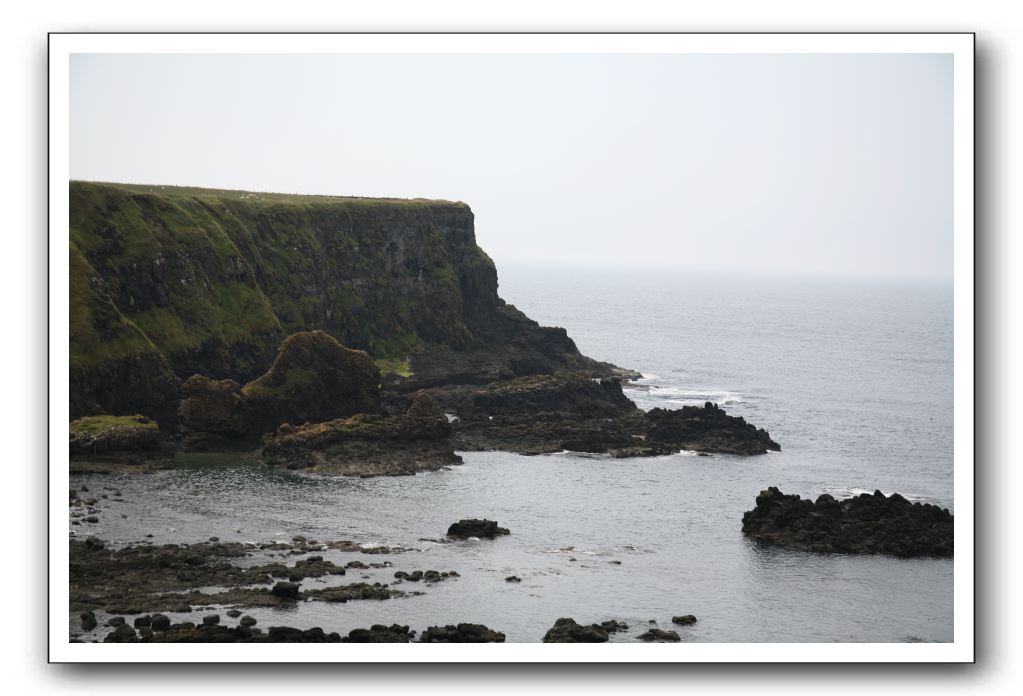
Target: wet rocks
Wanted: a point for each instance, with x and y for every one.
(613, 625)
(481, 529)
(429, 576)
(122, 634)
(568, 631)
(684, 620)
(159, 622)
(88, 620)
(868, 524)
(513, 578)
(657, 634)
(462, 633)
(247, 621)
(211, 619)
(378, 633)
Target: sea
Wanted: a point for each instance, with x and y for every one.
(853, 377)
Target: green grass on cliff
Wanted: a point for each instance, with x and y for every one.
(395, 366)
(98, 424)
(291, 199)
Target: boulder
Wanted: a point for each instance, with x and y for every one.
(287, 590)
(684, 620)
(481, 529)
(659, 635)
(378, 633)
(568, 631)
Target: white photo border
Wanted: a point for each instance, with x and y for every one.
(960, 45)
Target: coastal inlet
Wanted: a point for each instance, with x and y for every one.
(592, 538)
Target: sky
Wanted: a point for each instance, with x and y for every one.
(834, 165)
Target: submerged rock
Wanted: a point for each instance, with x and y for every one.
(862, 524)
(568, 631)
(685, 620)
(378, 633)
(659, 635)
(481, 529)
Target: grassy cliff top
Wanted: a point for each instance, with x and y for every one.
(268, 198)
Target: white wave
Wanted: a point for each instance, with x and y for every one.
(840, 492)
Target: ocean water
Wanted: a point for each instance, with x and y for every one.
(853, 379)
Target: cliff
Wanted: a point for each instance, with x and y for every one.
(168, 282)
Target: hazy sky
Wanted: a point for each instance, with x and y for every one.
(835, 164)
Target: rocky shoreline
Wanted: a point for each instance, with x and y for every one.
(323, 408)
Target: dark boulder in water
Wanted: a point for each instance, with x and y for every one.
(568, 631)
(482, 529)
(659, 635)
(867, 523)
(378, 633)
(462, 633)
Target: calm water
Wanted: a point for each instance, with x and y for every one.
(854, 381)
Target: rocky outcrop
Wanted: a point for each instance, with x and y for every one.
(568, 631)
(313, 379)
(481, 529)
(367, 444)
(659, 635)
(707, 429)
(96, 442)
(569, 411)
(871, 524)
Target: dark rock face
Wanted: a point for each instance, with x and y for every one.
(313, 379)
(568, 631)
(367, 444)
(462, 633)
(211, 412)
(863, 524)
(481, 529)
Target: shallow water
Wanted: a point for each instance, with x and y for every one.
(853, 380)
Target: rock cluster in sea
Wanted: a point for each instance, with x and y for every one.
(867, 523)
